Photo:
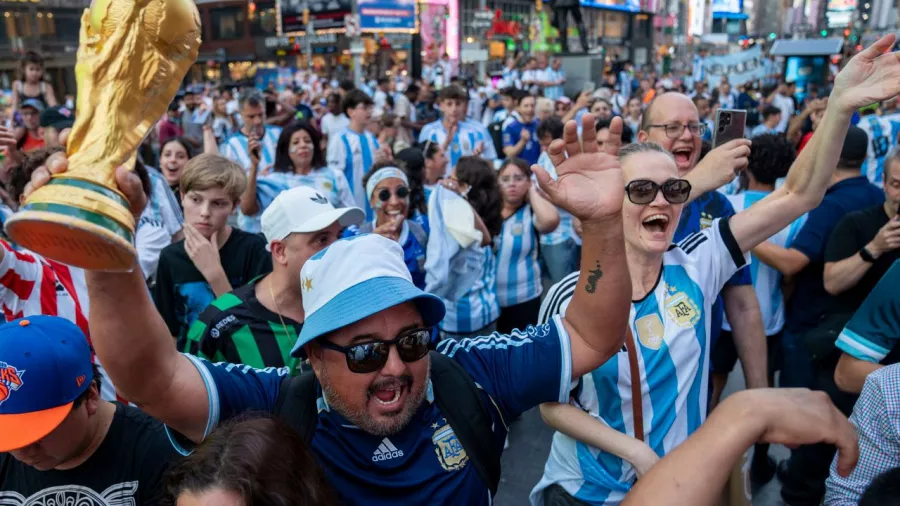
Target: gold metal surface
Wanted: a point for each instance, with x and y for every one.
(132, 57)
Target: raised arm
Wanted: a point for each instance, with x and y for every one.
(546, 217)
(695, 472)
(591, 187)
(871, 76)
(130, 337)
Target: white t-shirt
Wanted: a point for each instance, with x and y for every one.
(332, 124)
(787, 110)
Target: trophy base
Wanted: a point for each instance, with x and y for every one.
(71, 234)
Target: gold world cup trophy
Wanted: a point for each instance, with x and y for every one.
(132, 57)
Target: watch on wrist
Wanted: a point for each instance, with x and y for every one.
(866, 255)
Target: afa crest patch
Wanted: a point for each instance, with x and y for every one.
(682, 310)
(450, 452)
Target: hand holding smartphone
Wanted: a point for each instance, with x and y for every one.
(730, 125)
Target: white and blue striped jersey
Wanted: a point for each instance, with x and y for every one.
(766, 280)
(478, 308)
(894, 118)
(468, 135)
(565, 230)
(550, 75)
(235, 149)
(509, 78)
(881, 141)
(353, 154)
(518, 271)
(671, 328)
(325, 180)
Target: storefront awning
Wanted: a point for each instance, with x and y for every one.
(730, 15)
(807, 47)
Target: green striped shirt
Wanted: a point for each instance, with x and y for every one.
(237, 328)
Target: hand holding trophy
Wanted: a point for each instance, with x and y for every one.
(132, 57)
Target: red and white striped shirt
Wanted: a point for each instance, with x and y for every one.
(31, 284)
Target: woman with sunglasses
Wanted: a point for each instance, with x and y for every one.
(299, 161)
(656, 389)
(387, 188)
(526, 215)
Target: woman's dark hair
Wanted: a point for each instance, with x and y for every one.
(484, 193)
(257, 457)
(283, 161)
(141, 171)
(429, 149)
(20, 174)
(415, 168)
(519, 163)
(180, 140)
(30, 58)
(771, 155)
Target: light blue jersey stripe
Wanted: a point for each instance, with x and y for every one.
(469, 135)
(518, 271)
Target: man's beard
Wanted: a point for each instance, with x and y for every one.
(360, 418)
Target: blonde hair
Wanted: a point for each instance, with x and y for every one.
(543, 104)
(208, 171)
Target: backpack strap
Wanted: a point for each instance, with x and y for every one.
(459, 399)
(296, 404)
(637, 399)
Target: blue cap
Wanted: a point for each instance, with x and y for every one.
(353, 279)
(34, 103)
(45, 364)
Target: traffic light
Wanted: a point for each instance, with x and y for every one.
(772, 36)
(824, 33)
(846, 32)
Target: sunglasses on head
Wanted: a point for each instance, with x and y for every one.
(385, 194)
(371, 356)
(644, 191)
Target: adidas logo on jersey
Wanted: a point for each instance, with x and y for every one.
(386, 451)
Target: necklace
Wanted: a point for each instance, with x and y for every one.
(278, 309)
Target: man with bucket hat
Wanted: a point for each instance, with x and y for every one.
(389, 422)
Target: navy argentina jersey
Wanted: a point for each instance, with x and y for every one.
(670, 327)
(423, 463)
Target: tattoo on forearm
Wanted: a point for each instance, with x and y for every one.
(595, 275)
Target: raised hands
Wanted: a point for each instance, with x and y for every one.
(871, 76)
(590, 183)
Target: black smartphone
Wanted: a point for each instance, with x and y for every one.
(730, 125)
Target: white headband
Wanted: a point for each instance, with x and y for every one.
(382, 174)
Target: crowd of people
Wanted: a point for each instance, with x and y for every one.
(346, 294)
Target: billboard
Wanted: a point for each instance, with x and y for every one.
(387, 15)
(324, 14)
(727, 6)
(616, 5)
(839, 13)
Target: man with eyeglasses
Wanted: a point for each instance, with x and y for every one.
(257, 324)
(380, 433)
(653, 395)
(672, 121)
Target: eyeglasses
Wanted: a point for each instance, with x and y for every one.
(675, 130)
(364, 358)
(506, 180)
(385, 194)
(643, 191)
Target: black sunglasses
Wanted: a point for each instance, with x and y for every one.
(643, 191)
(384, 194)
(363, 358)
